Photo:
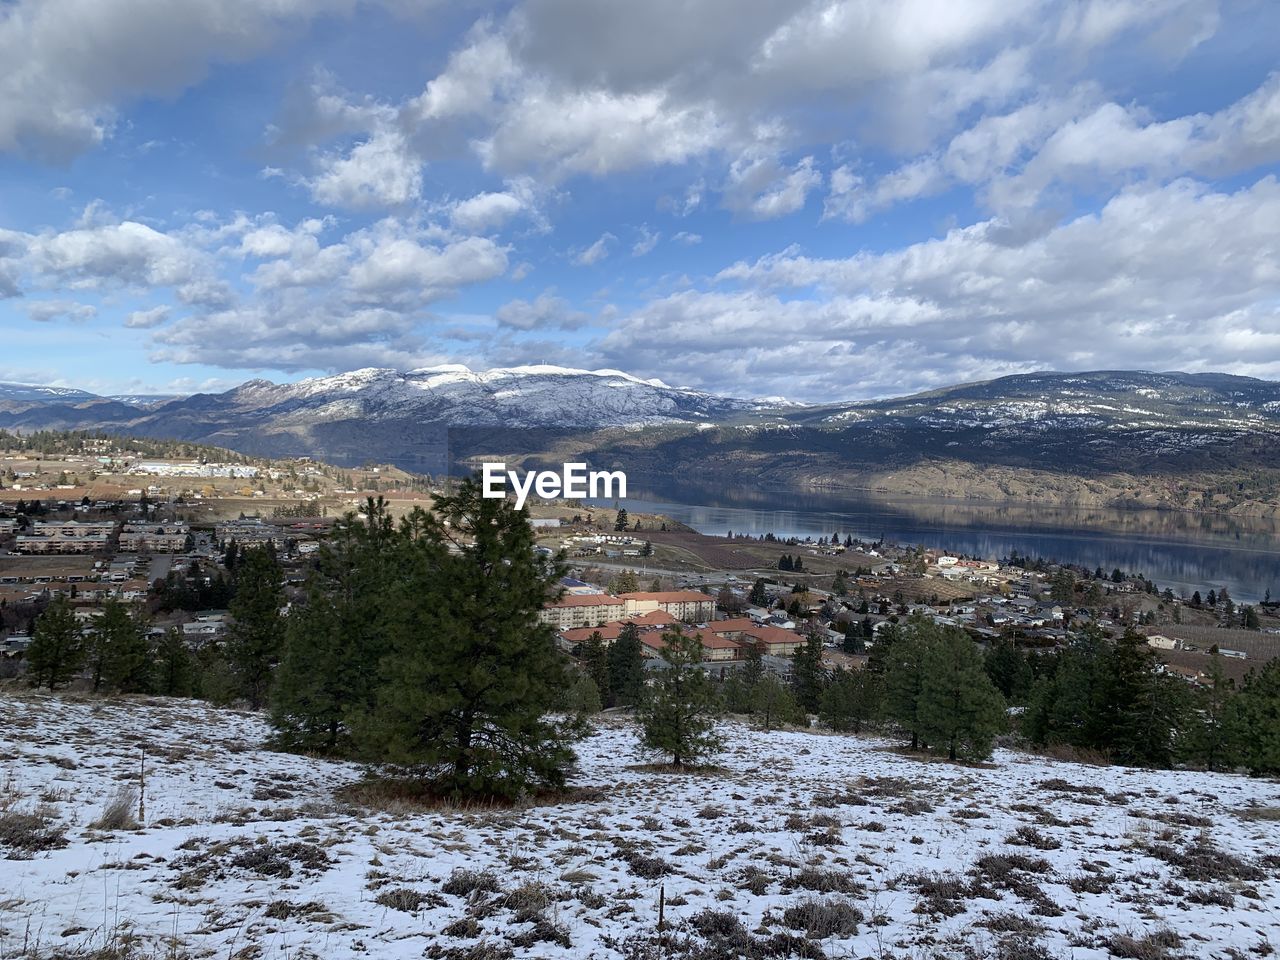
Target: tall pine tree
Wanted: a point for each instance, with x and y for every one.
(57, 648)
(256, 634)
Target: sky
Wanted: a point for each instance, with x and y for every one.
(822, 200)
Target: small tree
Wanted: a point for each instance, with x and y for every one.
(57, 650)
(960, 709)
(256, 635)
(773, 705)
(625, 661)
(174, 674)
(595, 660)
(677, 715)
(850, 701)
(807, 673)
(902, 655)
(122, 656)
(620, 521)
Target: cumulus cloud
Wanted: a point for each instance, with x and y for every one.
(45, 311)
(546, 312)
(762, 188)
(1165, 277)
(70, 63)
(146, 319)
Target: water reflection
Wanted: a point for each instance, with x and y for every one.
(1184, 551)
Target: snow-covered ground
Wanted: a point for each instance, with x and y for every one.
(804, 845)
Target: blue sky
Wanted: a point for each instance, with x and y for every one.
(819, 200)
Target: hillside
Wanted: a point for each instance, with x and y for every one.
(803, 845)
(1182, 441)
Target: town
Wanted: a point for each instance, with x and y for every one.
(99, 520)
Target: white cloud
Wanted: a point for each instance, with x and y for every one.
(762, 188)
(547, 311)
(403, 267)
(1169, 277)
(648, 240)
(147, 319)
(596, 252)
(381, 171)
(70, 63)
(44, 311)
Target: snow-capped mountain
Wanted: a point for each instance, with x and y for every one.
(430, 418)
(531, 397)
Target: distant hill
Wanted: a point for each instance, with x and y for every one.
(1192, 441)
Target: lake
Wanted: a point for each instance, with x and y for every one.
(1185, 551)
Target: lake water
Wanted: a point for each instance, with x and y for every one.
(1184, 551)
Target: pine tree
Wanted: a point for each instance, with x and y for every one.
(595, 660)
(335, 640)
(620, 521)
(1208, 738)
(472, 675)
(807, 674)
(959, 707)
(625, 661)
(1254, 722)
(902, 656)
(758, 596)
(851, 700)
(677, 715)
(256, 635)
(1009, 671)
(1139, 710)
(174, 672)
(773, 705)
(121, 656)
(57, 649)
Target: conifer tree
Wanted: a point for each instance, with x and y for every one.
(472, 675)
(1208, 739)
(807, 674)
(256, 635)
(121, 655)
(57, 649)
(1254, 722)
(174, 671)
(902, 656)
(960, 709)
(625, 661)
(335, 640)
(773, 705)
(851, 700)
(595, 660)
(1140, 710)
(677, 715)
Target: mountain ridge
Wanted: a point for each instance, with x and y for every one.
(1206, 440)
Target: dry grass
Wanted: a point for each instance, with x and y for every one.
(118, 813)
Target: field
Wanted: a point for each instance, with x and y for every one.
(800, 844)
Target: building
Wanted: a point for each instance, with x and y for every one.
(69, 536)
(154, 537)
(583, 610)
(687, 605)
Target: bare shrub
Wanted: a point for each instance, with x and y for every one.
(820, 918)
(118, 813)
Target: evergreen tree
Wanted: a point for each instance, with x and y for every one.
(902, 656)
(784, 562)
(959, 707)
(677, 715)
(582, 697)
(1254, 721)
(1009, 671)
(1208, 738)
(335, 640)
(625, 661)
(1140, 710)
(472, 674)
(758, 596)
(174, 671)
(595, 660)
(256, 635)
(851, 700)
(807, 674)
(625, 582)
(57, 649)
(752, 665)
(620, 522)
(120, 657)
(773, 705)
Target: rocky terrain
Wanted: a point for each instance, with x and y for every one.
(800, 845)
